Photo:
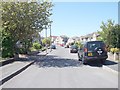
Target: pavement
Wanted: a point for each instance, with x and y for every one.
(12, 67)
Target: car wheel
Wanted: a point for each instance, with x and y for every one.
(84, 61)
(79, 59)
(103, 61)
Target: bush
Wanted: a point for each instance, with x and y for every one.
(114, 50)
(37, 46)
(43, 49)
(46, 41)
(79, 44)
(7, 47)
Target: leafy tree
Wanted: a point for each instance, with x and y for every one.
(23, 21)
(7, 46)
(105, 27)
(1, 38)
(110, 34)
(114, 37)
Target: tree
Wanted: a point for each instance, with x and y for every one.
(105, 27)
(23, 21)
(7, 43)
(113, 37)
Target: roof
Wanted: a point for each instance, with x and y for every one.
(93, 41)
(90, 35)
(54, 36)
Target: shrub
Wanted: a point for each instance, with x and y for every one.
(79, 44)
(37, 46)
(43, 49)
(7, 47)
(114, 50)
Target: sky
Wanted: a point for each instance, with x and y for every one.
(81, 18)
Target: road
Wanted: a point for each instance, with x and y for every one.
(61, 69)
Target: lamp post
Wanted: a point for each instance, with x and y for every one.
(46, 37)
(50, 38)
(50, 34)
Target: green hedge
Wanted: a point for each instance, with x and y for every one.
(37, 46)
(7, 47)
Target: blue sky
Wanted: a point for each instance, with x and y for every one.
(81, 18)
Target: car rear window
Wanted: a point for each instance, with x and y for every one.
(93, 45)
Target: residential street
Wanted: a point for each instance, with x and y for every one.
(61, 69)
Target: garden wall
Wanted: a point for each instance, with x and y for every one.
(114, 56)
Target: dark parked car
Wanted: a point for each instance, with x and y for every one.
(53, 47)
(73, 49)
(93, 50)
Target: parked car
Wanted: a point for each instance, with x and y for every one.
(93, 50)
(73, 49)
(53, 47)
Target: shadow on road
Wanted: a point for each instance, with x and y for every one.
(98, 63)
(109, 62)
(31, 57)
(95, 64)
(54, 61)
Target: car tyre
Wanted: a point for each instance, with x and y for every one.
(84, 62)
(79, 59)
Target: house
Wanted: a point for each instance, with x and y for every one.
(70, 40)
(73, 39)
(89, 37)
(95, 36)
(61, 40)
(53, 38)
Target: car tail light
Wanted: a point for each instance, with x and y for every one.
(85, 50)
